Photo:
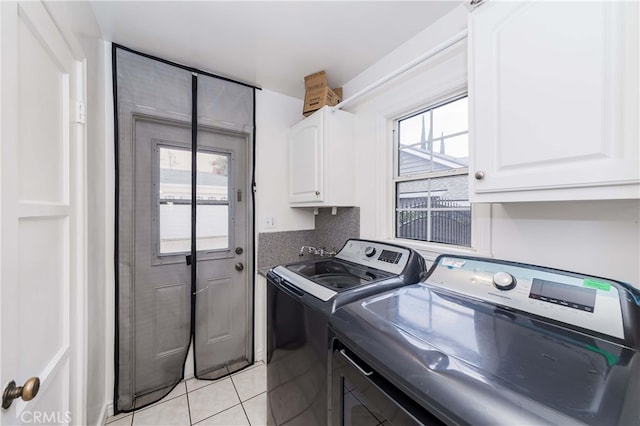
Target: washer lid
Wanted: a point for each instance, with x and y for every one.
(446, 350)
(337, 274)
(325, 278)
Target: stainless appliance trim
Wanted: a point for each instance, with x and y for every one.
(302, 283)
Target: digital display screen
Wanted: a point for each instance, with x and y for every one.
(389, 256)
(570, 296)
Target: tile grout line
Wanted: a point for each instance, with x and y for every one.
(217, 381)
(254, 396)
(240, 399)
(219, 412)
(188, 404)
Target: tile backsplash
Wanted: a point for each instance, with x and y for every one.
(276, 248)
(330, 233)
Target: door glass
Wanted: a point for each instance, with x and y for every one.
(174, 199)
(212, 227)
(212, 199)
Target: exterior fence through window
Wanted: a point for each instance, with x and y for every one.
(445, 221)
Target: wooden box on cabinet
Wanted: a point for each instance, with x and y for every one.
(321, 160)
(553, 91)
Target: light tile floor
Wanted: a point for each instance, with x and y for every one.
(237, 400)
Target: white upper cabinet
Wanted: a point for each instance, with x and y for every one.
(553, 91)
(321, 160)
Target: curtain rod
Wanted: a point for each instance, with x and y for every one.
(420, 59)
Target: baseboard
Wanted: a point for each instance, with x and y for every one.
(105, 413)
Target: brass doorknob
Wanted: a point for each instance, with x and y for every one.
(26, 392)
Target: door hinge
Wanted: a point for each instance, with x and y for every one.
(79, 109)
(239, 195)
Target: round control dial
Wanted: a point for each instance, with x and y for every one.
(504, 281)
(369, 251)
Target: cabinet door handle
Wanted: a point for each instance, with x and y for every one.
(479, 175)
(317, 192)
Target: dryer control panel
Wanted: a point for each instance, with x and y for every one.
(587, 302)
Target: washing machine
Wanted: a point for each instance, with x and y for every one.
(484, 341)
(301, 296)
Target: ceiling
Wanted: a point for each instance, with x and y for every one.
(270, 44)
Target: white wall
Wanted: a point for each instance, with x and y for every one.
(601, 238)
(433, 80)
(275, 114)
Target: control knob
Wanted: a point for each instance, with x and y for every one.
(504, 281)
(369, 251)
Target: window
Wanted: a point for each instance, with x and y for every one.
(174, 200)
(431, 170)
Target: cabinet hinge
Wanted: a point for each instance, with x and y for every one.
(473, 4)
(79, 110)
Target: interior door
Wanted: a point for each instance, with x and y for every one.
(222, 328)
(41, 217)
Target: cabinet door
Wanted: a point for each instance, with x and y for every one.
(553, 93)
(306, 160)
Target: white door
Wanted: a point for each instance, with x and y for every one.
(41, 260)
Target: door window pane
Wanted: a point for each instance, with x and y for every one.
(175, 228)
(175, 174)
(174, 201)
(213, 176)
(212, 228)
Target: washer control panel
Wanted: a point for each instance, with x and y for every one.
(587, 302)
(504, 280)
(377, 255)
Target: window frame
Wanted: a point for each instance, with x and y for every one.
(178, 257)
(480, 213)
(398, 178)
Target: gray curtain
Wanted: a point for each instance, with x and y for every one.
(225, 111)
(155, 305)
